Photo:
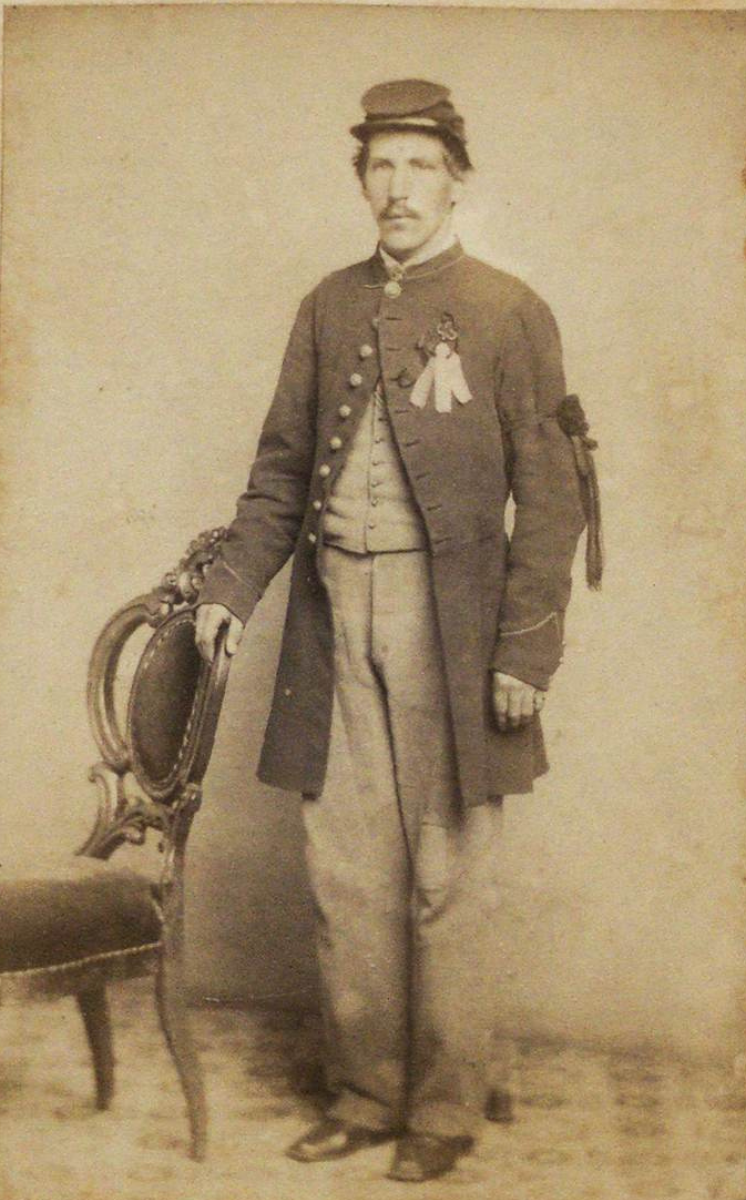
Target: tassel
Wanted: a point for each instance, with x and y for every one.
(572, 421)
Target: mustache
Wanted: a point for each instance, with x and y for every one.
(397, 210)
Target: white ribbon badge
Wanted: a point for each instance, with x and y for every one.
(443, 373)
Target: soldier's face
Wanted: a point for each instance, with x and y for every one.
(409, 188)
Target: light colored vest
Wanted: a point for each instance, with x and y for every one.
(371, 508)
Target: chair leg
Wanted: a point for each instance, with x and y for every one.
(94, 1008)
(499, 1107)
(174, 1017)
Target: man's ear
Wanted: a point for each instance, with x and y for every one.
(457, 191)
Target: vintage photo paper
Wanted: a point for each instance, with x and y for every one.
(176, 178)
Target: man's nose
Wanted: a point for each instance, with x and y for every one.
(399, 182)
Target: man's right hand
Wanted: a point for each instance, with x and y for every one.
(210, 620)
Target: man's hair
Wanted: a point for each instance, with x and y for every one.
(453, 154)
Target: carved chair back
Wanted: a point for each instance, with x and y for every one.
(173, 702)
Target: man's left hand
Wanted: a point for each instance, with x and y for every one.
(514, 701)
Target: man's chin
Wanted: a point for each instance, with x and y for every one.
(401, 243)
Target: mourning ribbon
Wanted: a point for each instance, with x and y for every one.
(572, 421)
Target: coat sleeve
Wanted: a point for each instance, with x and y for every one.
(549, 514)
(270, 512)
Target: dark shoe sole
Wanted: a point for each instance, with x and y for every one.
(355, 1142)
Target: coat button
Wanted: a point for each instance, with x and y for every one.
(325, 470)
(335, 443)
(355, 379)
(392, 289)
(312, 538)
(317, 506)
(404, 379)
(344, 411)
(365, 350)
(375, 322)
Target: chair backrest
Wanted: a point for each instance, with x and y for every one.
(173, 709)
(173, 704)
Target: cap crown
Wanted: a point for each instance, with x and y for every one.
(404, 98)
(412, 104)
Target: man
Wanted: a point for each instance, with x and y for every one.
(419, 388)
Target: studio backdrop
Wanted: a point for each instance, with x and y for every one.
(175, 180)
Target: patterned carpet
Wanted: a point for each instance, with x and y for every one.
(589, 1126)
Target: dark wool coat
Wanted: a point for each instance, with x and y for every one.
(500, 603)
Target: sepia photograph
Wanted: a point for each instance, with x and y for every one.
(372, 615)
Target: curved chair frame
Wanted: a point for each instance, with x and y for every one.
(126, 813)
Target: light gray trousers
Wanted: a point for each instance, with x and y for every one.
(405, 888)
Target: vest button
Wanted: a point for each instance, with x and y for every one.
(392, 289)
(312, 538)
(335, 443)
(365, 350)
(317, 506)
(355, 379)
(325, 470)
(344, 411)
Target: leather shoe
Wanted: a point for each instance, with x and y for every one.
(331, 1138)
(421, 1156)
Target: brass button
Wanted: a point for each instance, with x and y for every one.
(335, 443)
(317, 505)
(312, 538)
(344, 411)
(365, 350)
(355, 379)
(325, 470)
(392, 289)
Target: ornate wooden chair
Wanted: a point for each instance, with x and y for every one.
(73, 926)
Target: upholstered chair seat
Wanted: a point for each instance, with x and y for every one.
(62, 915)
